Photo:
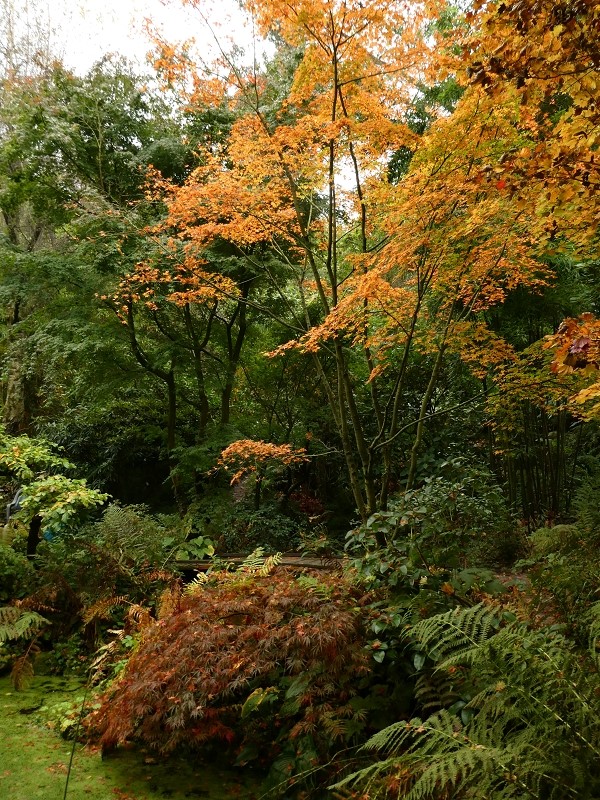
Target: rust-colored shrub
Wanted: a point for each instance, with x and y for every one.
(246, 659)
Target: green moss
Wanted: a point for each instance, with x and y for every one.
(34, 759)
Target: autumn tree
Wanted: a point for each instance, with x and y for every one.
(548, 54)
(376, 273)
(546, 57)
(576, 350)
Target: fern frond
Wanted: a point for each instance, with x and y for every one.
(257, 564)
(370, 778)
(438, 689)
(594, 633)
(444, 756)
(130, 534)
(18, 624)
(454, 637)
(198, 583)
(101, 608)
(270, 563)
(22, 670)
(531, 727)
(104, 657)
(31, 603)
(140, 617)
(311, 584)
(159, 575)
(169, 601)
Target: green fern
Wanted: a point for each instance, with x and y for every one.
(130, 534)
(257, 564)
(198, 583)
(587, 509)
(533, 724)
(454, 637)
(17, 624)
(435, 690)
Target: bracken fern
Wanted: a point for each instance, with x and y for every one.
(18, 624)
(533, 727)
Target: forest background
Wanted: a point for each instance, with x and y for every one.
(340, 299)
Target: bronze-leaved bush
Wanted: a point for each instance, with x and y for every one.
(255, 660)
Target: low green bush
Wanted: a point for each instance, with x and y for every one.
(16, 574)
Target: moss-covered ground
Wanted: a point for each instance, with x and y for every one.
(34, 759)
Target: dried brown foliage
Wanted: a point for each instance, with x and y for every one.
(193, 671)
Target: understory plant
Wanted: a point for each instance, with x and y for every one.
(432, 540)
(84, 575)
(270, 666)
(517, 715)
(87, 579)
(20, 626)
(563, 566)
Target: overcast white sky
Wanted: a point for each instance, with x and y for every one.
(88, 29)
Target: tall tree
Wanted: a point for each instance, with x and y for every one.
(375, 273)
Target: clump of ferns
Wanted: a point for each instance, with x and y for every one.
(528, 725)
(23, 625)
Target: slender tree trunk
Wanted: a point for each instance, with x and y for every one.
(414, 453)
(234, 350)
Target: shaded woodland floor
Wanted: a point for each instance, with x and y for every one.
(34, 759)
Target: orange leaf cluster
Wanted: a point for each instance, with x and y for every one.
(247, 455)
(576, 348)
(547, 52)
(186, 282)
(452, 238)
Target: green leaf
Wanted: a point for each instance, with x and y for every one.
(257, 698)
(418, 660)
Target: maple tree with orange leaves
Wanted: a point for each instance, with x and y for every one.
(375, 273)
(393, 269)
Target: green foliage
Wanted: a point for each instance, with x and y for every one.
(134, 536)
(528, 724)
(120, 558)
(587, 508)
(244, 528)
(197, 548)
(20, 625)
(91, 576)
(69, 656)
(559, 539)
(433, 540)
(16, 574)
(24, 457)
(59, 501)
(563, 562)
(17, 623)
(257, 564)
